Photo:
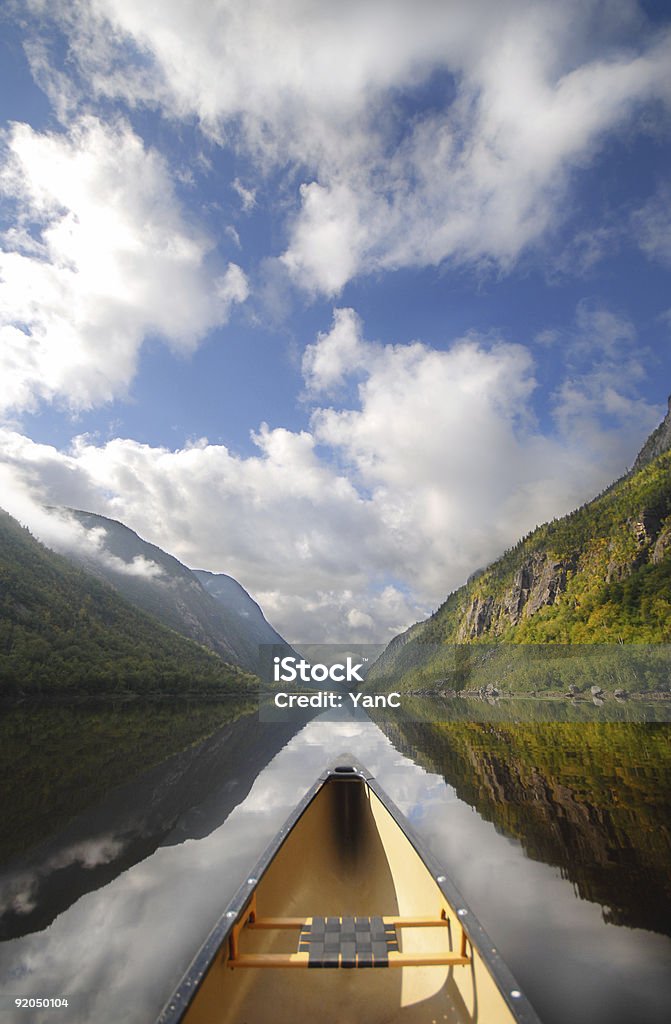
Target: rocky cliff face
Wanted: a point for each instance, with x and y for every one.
(542, 578)
(537, 583)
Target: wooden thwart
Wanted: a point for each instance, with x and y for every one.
(298, 923)
(395, 960)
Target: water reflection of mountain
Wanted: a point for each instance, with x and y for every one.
(187, 795)
(592, 799)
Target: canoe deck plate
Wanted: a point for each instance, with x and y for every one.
(348, 942)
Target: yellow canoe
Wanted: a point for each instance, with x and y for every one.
(347, 920)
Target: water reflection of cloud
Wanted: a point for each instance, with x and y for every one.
(19, 891)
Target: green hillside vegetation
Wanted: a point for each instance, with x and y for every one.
(601, 575)
(63, 632)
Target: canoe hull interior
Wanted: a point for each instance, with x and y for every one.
(348, 858)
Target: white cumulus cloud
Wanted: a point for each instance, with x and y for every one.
(335, 354)
(99, 256)
(518, 97)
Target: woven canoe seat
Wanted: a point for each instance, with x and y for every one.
(348, 942)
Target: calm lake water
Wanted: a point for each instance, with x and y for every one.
(559, 836)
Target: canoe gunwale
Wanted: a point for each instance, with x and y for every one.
(519, 1006)
(195, 974)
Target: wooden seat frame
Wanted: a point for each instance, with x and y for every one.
(250, 920)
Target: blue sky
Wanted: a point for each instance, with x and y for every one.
(338, 299)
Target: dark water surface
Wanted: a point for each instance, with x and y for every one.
(559, 836)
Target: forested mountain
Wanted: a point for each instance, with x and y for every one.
(601, 575)
(62, 631)
(214, 610)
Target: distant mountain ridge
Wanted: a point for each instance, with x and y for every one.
(214, 610)
(235, 599)
(599, 575)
